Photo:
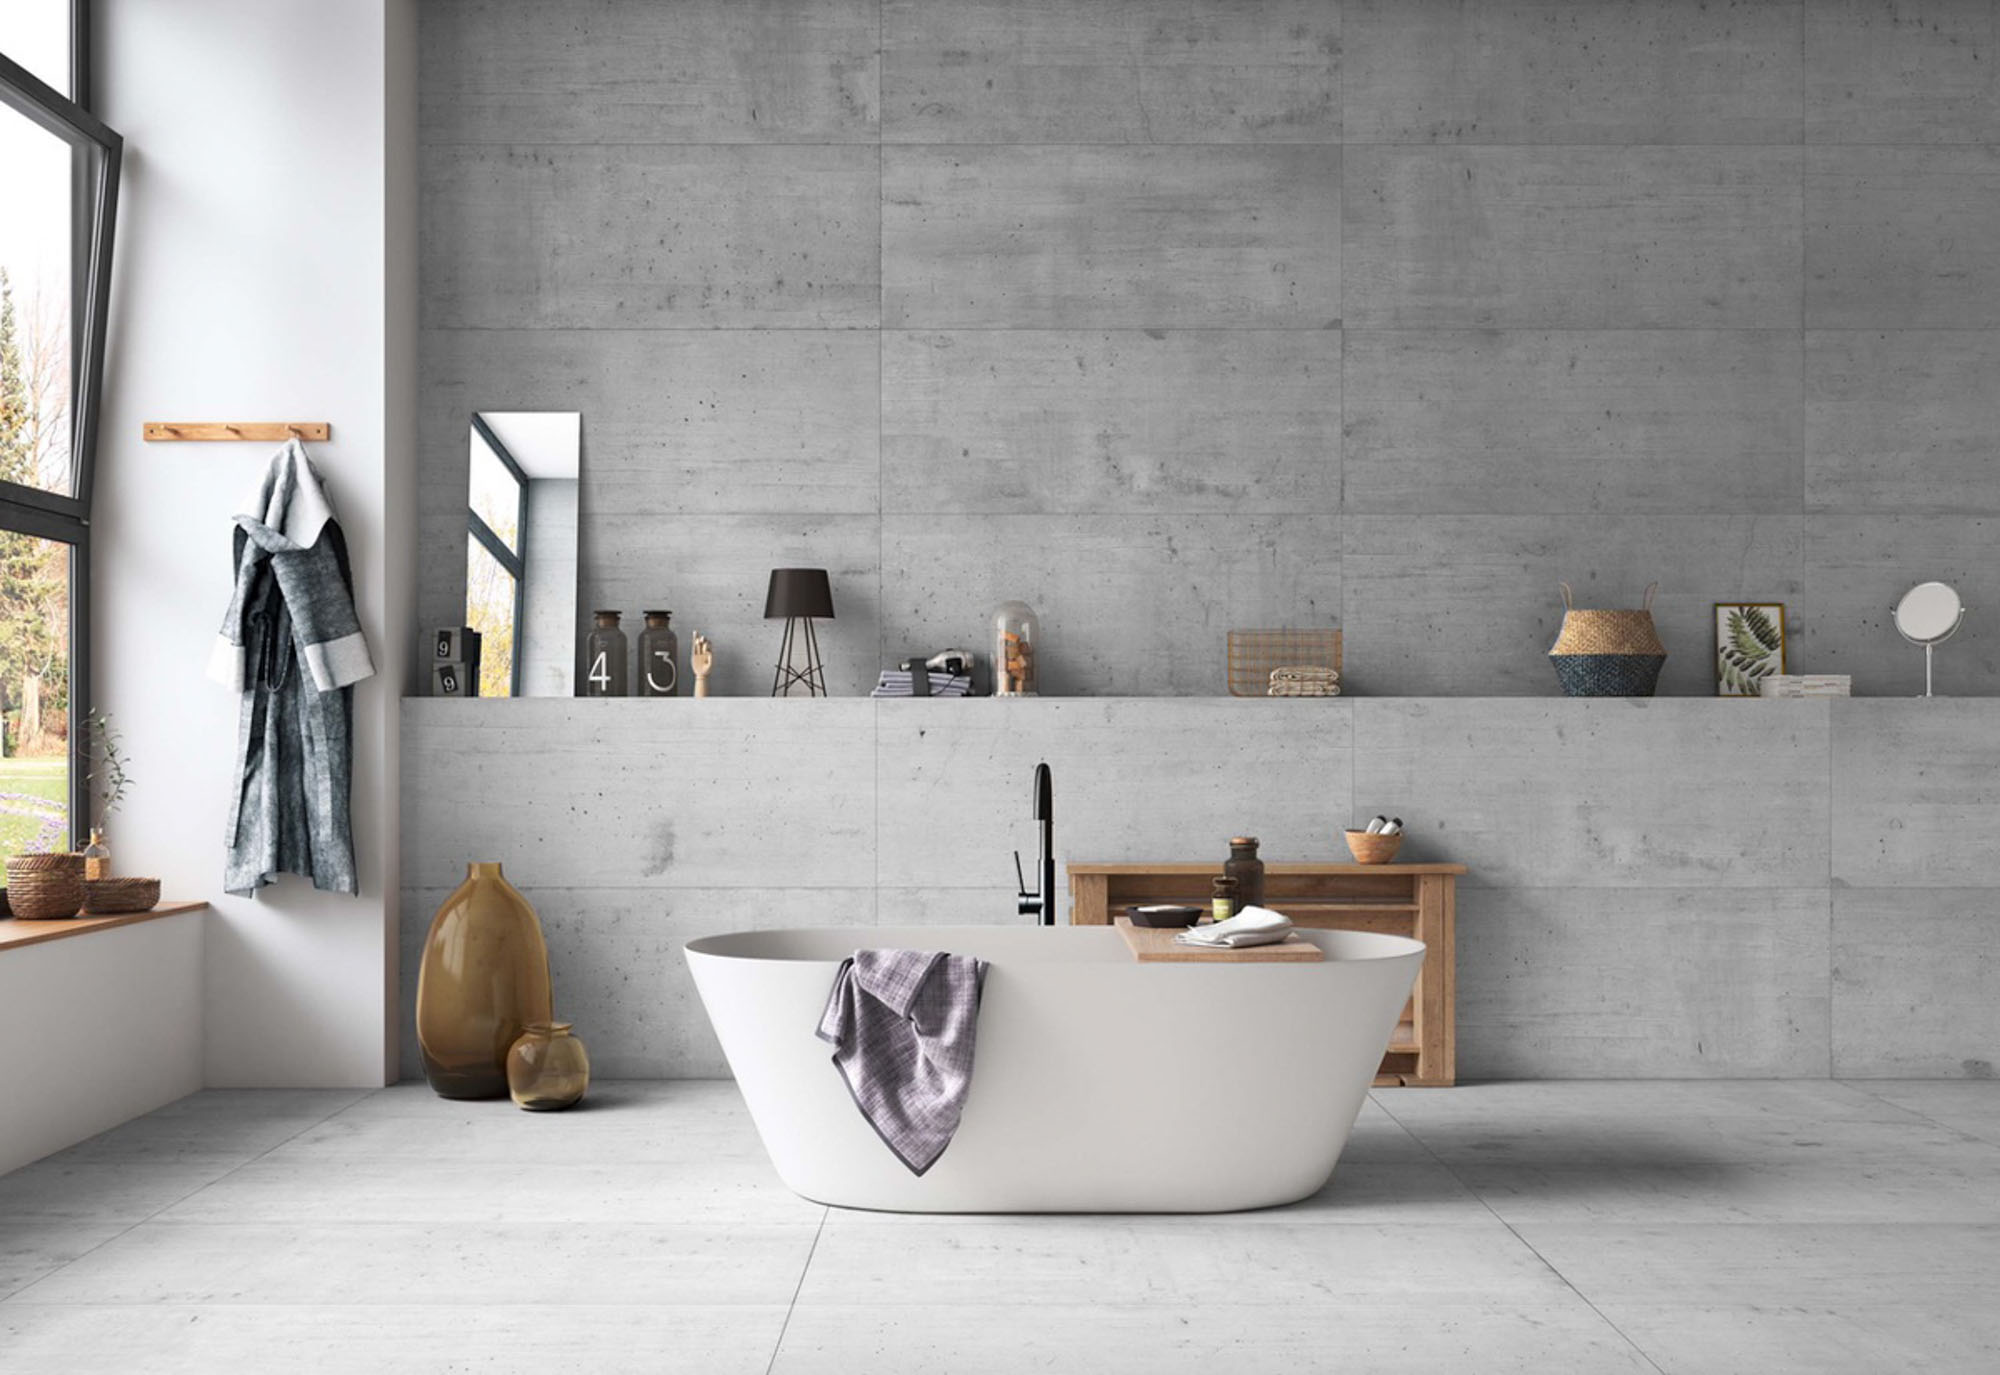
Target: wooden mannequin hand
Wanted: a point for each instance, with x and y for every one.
(704, 660)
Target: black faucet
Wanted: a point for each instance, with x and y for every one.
(1042, 902)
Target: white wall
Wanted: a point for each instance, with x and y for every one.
(264, 255)
(104, 1027)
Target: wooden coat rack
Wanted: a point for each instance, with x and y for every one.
(319, 431)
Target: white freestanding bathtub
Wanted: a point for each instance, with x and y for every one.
(1099, 1084)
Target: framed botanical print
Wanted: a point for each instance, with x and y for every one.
(1749, 646)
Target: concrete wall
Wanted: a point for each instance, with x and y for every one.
(1173, 316)
(263, 265)
(1658, 889)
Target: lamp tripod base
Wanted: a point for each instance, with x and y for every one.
(788, 676)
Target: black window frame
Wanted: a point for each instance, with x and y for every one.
(65, 517)
(515, 561)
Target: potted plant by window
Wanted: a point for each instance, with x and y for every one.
(110, 777)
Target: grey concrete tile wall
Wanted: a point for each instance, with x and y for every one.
(1913, 977)
(1113, 71)
(1903, 238)
(712, 572)
(1656, 889)
(1165, 590)
(650, 236)
(1571, 238)
(813, 271)
(677, 425)
(602, 71)
(1603, 794)
(1902, 420)
(1532, 422)
(640, 792)
(1149, 779)
(1054, 421)
(1643, 982)
(1615, 71)
(1916, 788)
(1469, 605)
(1177, 315)
(1858, 566)
(1054, 236)
(1902, 71)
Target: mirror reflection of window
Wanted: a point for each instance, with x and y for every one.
(494, 568)
(521, 550)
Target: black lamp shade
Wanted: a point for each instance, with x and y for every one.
(799, 592)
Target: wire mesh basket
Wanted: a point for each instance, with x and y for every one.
(1255, 655)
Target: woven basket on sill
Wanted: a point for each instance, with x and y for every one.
(42, 887)
(1254, 655)
(1608, 653)
(111, 897)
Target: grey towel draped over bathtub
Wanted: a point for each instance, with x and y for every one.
(292, 645)
(902, 1024)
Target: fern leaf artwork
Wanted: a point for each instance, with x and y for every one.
(1749, 646)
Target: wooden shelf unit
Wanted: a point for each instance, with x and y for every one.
(1418, 900)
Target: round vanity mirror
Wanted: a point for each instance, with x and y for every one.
(1928, 615)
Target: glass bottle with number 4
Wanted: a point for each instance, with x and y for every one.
(605, 673)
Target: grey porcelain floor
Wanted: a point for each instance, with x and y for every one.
(1778, 1226)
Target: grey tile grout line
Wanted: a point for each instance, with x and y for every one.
(778, 1346)
(1858, 1085)
(1339, 326)
(13, 1294)
(1568, 1284)
(881, 480)
(1439, 146)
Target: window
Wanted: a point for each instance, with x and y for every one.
(56, 221)
(495, 560)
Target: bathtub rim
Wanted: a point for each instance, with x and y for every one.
(1370, 946)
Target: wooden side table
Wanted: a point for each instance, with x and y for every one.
(1398, 899)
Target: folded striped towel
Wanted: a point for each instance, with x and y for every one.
(1304, 680)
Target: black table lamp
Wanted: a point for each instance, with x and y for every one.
(799, 594)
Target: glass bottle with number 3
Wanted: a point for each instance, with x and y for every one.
(659, 656)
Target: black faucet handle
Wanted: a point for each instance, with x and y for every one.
(1020, 876)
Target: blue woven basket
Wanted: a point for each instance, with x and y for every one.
(1608, 653)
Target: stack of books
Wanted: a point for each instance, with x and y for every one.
(1807, 685)
(904, 683)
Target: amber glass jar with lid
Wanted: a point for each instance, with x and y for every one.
(1248, 871)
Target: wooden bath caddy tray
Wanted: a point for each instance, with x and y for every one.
(1417, 900)
(1156, 945)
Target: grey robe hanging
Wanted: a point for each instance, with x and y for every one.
(292, 645)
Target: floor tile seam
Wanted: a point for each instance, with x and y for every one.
(1532, 1249)
(1918, 1113)
(176, 1202)
(778, 1346)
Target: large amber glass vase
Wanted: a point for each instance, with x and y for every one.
(485, 976)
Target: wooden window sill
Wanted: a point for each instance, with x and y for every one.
(14, 931)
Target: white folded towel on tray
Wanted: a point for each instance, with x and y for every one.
(1251, 926)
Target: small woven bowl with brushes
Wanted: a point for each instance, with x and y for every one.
(1370, 847)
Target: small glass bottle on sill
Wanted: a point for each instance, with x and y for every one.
(96, 856)
(659, 656)
(604, 655)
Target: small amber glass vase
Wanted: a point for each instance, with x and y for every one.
(548, 1069)
(96, 856)
(485, 977)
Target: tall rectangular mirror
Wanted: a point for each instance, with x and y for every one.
(521, 550)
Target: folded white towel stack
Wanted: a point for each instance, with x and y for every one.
(1251, 926)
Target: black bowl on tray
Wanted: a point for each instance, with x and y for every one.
(1163, 916)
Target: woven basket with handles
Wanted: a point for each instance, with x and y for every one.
(42, 887)
(1604, 653)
